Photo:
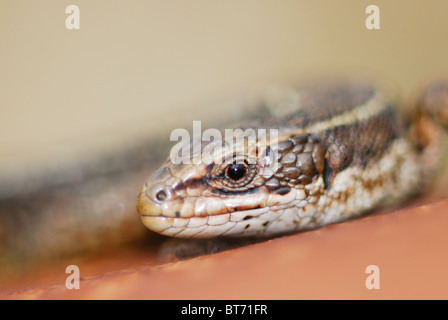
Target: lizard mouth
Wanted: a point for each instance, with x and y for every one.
(223, 224)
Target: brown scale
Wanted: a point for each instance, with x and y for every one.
(301, 160)
(303, 157)
(360, 142)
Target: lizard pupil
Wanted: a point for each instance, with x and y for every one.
(236, 171)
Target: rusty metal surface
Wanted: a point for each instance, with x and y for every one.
(409, 246)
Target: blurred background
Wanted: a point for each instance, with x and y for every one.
(135, 70)
(134, 66)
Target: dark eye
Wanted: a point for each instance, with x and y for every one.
(236, 172)
(161, 195)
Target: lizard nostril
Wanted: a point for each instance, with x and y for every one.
(161, 195)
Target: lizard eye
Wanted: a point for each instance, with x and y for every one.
(236, 172)
(234, 176)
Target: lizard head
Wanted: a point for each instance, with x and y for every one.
(234, 187)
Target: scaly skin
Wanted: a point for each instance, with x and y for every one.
(343, 152)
